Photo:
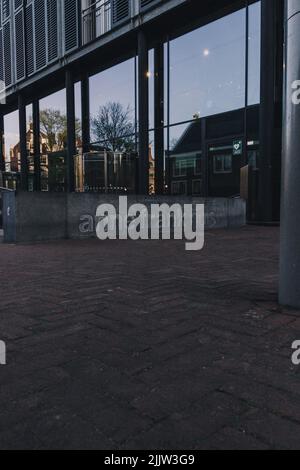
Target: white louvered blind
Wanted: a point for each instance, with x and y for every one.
(7, 53)
(52, 29)
(71, 33)
(19, 44)
(120, 11)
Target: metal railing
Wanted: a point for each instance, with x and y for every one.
(106, 172)
(96, 20)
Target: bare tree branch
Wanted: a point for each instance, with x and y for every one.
(113, 127)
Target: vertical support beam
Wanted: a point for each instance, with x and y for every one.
(143, 114)
(289, 292)
(270, 109)
(168, 160)
(85, 114)
(23, 143)
(159, 117)
(36, 144)
(245, 148)
(71, 136)
(204, 158)
(2, 156)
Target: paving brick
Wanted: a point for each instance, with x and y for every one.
(140, 345)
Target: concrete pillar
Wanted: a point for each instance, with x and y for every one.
(71, 136)
(23, 143)
(143, 114)
(290, 204)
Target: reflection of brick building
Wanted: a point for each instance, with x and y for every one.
(15, 153)
(50, 161)
(44, 149)
(151, 172)
(206, 163)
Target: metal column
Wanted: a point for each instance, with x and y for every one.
(270, 110)
(85, 114)
(290, 205)
(71, 135)
(2, 156)
(159, 118)
(36, 144)
(143, 114)
(205, 160)
(23, 143)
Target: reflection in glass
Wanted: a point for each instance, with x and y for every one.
(207, 69)
(151, 163)
(110, 166)
(222, 163)
(112, 106)
(11, 149)
(105, 172)
(30, 147)
(254, 53)
(113, 128)
(96, 19)
(185, 163)
(53, 129)
(224, 170)
(78, 115)
(151, 80)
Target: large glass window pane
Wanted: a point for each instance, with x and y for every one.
(110, 166)
(151, 77)
(96, 18)
(53, 127)
(78, 116)
(151, 163)
(207, 69)
(184, 162)
(254, 53)
(12, 142)
(112, 107)
(30, 147)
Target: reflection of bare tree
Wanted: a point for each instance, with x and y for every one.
(113, 128)
(54, 126)
(173, 143)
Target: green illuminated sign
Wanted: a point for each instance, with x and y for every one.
(237, 147)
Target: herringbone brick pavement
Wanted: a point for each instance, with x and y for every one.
(141, 345)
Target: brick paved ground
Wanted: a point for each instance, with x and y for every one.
(140, 345)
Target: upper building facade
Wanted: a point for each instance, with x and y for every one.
(165, 66)
(37, 34)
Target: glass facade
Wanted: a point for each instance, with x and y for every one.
(254, 41)
(11, 149)
(30, 146)
(185, 168)
(207, 69)
(53, 141)
(78, 116)
(96, 19)
(151, 79)
(113, 107)
(110, 165)
(204, 97)
(205, 84)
